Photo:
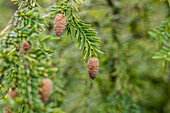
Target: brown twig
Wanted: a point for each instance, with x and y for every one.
(6, 28)
(9, 24)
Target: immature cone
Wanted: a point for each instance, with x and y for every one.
(13, 94)
(93, 67)
(60, 24)
(26, 46)
(46, 89)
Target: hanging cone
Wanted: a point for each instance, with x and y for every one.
(60, 24)
(26, 46)
(93, 67)
(8, 110)
(13, 94)
(46, 89)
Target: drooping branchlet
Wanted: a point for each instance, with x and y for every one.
(60, 24)
(93, 67)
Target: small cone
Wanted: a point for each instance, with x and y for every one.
(13, 94)
(46, 90)
(26, 46)
(60, 24)
(8, 110)
(93, 67)
(3, 59)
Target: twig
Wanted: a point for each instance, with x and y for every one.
(6, 28)
(9, 24)
(110, 3)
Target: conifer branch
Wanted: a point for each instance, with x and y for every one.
(86, 36)
(162, 35)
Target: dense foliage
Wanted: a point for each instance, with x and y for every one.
(134, 74)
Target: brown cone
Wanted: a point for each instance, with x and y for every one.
(93, 67)
(60, 24)
(13, 94)
(8, 110)
(26, 46)
(46, 89)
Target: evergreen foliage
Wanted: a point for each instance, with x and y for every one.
(162, 35)
(86, 36)
(128, 81)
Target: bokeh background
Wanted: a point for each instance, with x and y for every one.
(129, 80)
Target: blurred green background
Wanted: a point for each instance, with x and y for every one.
(129, 80)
